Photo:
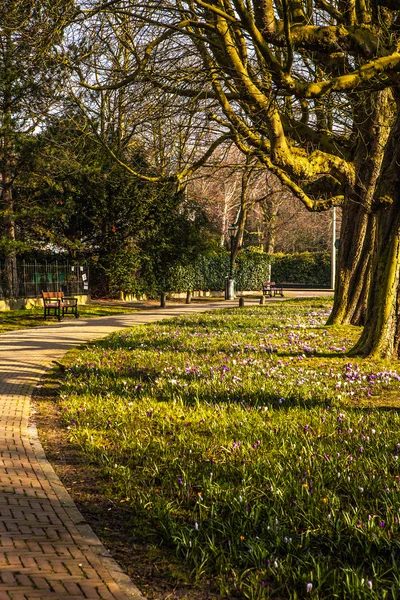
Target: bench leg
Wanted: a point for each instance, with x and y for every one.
(73, 310)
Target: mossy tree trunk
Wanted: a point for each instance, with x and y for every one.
(358, 222)
(353, 262)
(380, 337)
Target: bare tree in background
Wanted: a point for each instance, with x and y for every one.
(107, 83)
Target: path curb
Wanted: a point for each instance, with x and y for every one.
(87, 533)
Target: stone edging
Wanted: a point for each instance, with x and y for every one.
(78, 520)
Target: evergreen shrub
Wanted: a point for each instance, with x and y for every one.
(208, 272)
(251, 269)
(307, 268)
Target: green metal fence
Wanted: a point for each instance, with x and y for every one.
(32, 278)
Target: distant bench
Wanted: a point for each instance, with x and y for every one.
(57, 305)
(269, 289)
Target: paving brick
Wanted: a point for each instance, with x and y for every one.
(7, 578)
(14, 595)
(23, 579)
(72, 588)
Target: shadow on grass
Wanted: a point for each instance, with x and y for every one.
(167, 344)
(138, 382)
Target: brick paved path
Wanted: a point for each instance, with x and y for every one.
(47, 551)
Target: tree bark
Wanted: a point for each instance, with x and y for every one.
(381, 335)
(270, 214)
(7, 207)
(356, 242)
(358, 223)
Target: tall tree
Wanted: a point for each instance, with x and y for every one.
(29, 83)
(381, 334)
(374, 119)
(301, 86)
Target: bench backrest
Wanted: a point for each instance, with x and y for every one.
(48, 295)
(268, 283)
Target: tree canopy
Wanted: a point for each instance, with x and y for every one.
(283, 74)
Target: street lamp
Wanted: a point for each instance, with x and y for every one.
(230, 282)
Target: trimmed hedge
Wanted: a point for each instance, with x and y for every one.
(307, 268)
(251, 269)
(209, 273)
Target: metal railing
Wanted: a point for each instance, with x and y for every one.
(32, 278)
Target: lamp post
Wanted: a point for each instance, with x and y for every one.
(230, 282)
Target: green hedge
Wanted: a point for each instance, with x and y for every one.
(210, 272)
(308, 268)
(251, 269)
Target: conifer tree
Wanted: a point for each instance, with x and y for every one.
(29, 85)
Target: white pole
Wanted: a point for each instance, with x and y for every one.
(333, 262)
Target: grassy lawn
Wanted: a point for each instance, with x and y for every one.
(21, 319)
(249, 444)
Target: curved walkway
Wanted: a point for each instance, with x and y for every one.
(47, 551)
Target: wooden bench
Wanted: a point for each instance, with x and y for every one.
(269, 289)
(57, 305)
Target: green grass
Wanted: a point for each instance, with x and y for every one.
(21, 319)
(246, 441)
